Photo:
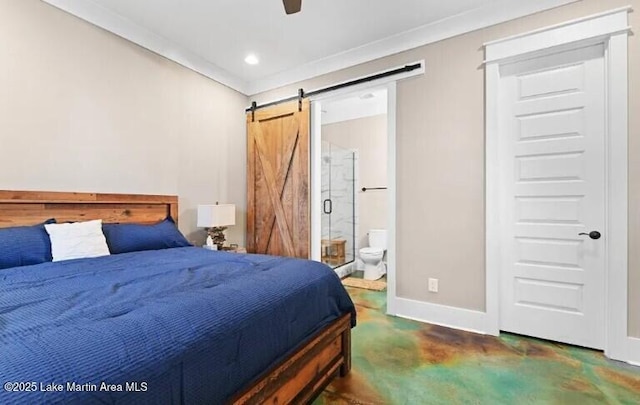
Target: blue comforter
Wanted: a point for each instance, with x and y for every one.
(182, 325)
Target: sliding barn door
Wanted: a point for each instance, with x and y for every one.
(278, 217)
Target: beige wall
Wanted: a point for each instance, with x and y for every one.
(84, 110)
(440, 169)
(369, 137)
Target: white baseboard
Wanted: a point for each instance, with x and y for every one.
(476, 321)
(625, 349)
(450, 317)
(633, 351)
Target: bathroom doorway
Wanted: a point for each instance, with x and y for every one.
(354, 193)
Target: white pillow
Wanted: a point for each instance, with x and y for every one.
(77, 240)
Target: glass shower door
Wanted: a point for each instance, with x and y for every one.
(338, 213)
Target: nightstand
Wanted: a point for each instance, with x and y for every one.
(234, 249)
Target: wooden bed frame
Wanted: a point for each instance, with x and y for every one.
(299, 378)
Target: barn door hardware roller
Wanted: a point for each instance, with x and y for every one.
(254, 106)
(300, 97)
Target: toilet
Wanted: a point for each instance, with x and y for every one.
(372, 256)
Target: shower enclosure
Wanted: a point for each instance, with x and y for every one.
(338, 205)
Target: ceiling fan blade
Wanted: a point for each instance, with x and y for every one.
(292, 6)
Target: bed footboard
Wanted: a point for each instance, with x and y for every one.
(304, 374)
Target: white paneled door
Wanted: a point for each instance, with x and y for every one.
(552, 137)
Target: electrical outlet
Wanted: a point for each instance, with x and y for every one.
(433, 285)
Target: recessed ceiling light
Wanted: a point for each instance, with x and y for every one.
(251, 59)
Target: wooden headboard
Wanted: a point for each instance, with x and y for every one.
(33, 207)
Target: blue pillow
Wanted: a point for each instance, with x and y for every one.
(24, 245)
(123, 238)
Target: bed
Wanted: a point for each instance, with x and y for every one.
(180, 325)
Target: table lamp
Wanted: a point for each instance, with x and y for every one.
(215, 219)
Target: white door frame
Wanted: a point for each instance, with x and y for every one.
(611, 29)
(316, 166)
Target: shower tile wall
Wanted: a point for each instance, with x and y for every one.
(338, 177)
(342, 219)
(326, 187)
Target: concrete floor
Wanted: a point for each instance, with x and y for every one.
(398, 361)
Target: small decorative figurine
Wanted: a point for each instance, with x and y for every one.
(209, 244)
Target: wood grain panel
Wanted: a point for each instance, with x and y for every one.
(305, 373)
(32, 207)
(328, 356)
(301, 186)
(276, 111)
(278, 216)
(251, 182)
(272, 192)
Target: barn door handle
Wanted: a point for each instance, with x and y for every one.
(324, 206)
(592, 234)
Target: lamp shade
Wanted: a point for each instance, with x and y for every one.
(210, 216)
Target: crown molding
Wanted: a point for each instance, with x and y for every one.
(494, 13)
(122, 27)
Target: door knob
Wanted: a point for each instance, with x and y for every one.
(592, 234)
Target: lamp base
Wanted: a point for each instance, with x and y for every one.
(217, 235)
